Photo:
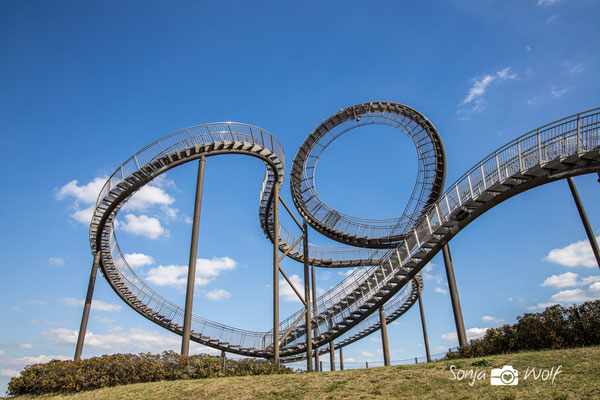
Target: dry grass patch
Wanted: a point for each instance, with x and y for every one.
(580, 379)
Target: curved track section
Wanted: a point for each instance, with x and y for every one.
(565, 148)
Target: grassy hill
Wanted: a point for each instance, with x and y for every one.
(579, 379)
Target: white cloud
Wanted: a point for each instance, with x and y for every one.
(551, 18)
(84, 216)
(375, 340)
(476, 92)
(365, 353)
(8, 373)
(590, 279)
(16, 308)
(104, 320)
(1, 353)
(563, 280)
(143, 225)
(173, 275)
(480, 84)
(287, 293)
(98, 305)
(137, 260)
(546, 2)
(132, 340)
(207, 270)
(10, 367)
(218, 294)
(472, 333)
(26, 346)
(574, 255)
(34, 301)
(556, 93)
(487, 318)
(87, 193)
(571, 296)
(57, 261)
(147, 197)
(440, 290)
(572, 67)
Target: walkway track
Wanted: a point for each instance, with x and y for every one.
(564, 148)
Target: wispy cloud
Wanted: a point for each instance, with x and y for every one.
(546, 2)
(474, 101)
(556, 93)
(56, 261)
(218, 294)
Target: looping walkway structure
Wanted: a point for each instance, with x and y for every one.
(390, 253)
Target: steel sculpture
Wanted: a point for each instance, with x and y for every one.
(390, 253)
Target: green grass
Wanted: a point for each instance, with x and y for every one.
(580, 379)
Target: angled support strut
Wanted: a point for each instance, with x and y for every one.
(189, 294)
(584, 219)
(87, 306)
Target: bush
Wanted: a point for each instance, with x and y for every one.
(556, 327)
(121, 369)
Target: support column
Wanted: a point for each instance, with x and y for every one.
(458, 317)
(314, 303)
(308, 320)
(341, 358)
(584, 219)
(332, 355)
(189, 294)
(424, 326)
(86, 308)
(276, 273)
(384, 337)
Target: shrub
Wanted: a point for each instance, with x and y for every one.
(556, 327)
(121, 369)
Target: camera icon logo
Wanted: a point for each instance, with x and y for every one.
(505, 376)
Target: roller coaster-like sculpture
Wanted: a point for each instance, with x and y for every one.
(391, 252)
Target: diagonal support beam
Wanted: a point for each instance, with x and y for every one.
(189, 295)
(292, 285)
(291, 248)
(292, 327)
(290, 212)
(584, 219)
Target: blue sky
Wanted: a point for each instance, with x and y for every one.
(84, 85)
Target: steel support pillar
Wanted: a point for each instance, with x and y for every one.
(458, 317)
(189, 294)
(276, 273)
(332, 355)
(424, 326)
(314, 304)
(585, 220)
(308, 320)
(87, 306)
(384, 337)
(341, 358)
